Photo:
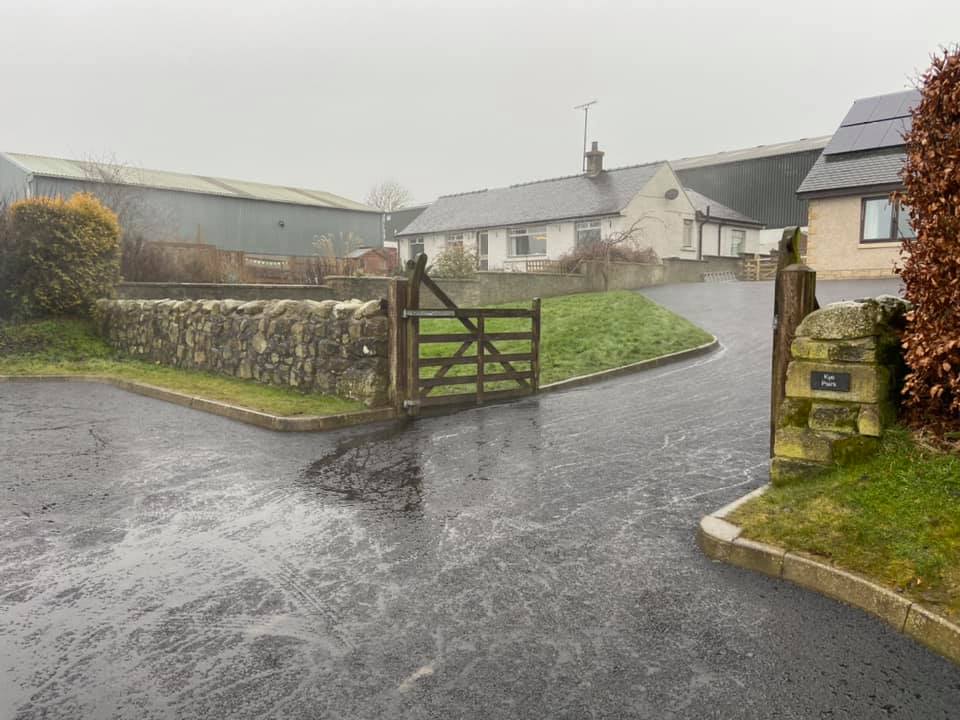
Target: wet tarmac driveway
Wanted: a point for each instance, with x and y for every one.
(534, 560)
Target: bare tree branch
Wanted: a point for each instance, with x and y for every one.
(388, 196)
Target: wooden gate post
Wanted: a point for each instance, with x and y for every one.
(396, 304)
(412, 325)
(796, 297)
(535, 347)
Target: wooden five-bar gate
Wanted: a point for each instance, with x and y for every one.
(414, 392)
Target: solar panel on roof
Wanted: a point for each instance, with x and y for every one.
(887, 107)
(896, 131)
(873, 123)
(861, 112)
(870, 135)
(843, 140)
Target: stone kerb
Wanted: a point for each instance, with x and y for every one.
(841, 384)
(337, 348)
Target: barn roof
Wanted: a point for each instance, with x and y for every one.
(80, 170)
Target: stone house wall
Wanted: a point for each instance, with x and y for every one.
(834, 249)
(336, 348)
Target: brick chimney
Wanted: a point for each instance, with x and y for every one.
(594, 158)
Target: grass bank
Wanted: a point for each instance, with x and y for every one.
(581, 334)
(895, 518)
(68, 346)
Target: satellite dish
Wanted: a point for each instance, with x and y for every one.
(672, 194)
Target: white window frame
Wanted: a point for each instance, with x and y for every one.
(532, 233)
(587, 226)
(741, 247)
(418, 242)
(452, 239)
(687, 234)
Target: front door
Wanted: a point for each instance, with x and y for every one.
(481, 250)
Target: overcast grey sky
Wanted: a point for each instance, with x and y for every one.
(442, 96)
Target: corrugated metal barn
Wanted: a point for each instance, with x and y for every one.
(760, 182)
(230, 214)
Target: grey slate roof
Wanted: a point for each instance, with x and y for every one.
(854, 170)
(721, 212)
(536, 202)
(867, 150)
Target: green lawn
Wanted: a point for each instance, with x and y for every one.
(580, 334)
(71, 347)
(895, 518)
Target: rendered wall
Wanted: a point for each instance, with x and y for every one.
(485, 288)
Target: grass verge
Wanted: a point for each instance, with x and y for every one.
(580, 334)
(895, 518)
(70, 346)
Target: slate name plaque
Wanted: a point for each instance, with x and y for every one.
(830, 381)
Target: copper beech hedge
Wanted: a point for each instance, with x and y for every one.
(931, 261)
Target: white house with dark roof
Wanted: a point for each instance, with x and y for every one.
(722, 231)
(545, 219)
(854, 229)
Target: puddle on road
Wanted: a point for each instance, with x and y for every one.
(370, 469)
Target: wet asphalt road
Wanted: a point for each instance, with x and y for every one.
(520, 561)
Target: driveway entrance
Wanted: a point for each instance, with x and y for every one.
(530, 560)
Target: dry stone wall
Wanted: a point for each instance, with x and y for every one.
(337, 348)
(841, 387)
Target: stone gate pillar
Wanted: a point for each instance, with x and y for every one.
(841, 387)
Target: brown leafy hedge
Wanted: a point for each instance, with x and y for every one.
(931, 261)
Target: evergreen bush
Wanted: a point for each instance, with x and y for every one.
(58, 256)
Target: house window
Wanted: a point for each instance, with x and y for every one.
(454, 239)
(688, 234)
(526, 241)
(588, 232)
(738, 242)
(416, 248)
(884, 221)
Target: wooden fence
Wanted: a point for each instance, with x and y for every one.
(759, 267)
(544, 266)
(199, 263)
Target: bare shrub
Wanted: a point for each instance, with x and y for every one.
(454, 262)
(175, 262)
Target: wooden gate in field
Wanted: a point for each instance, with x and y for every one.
(421, 382)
